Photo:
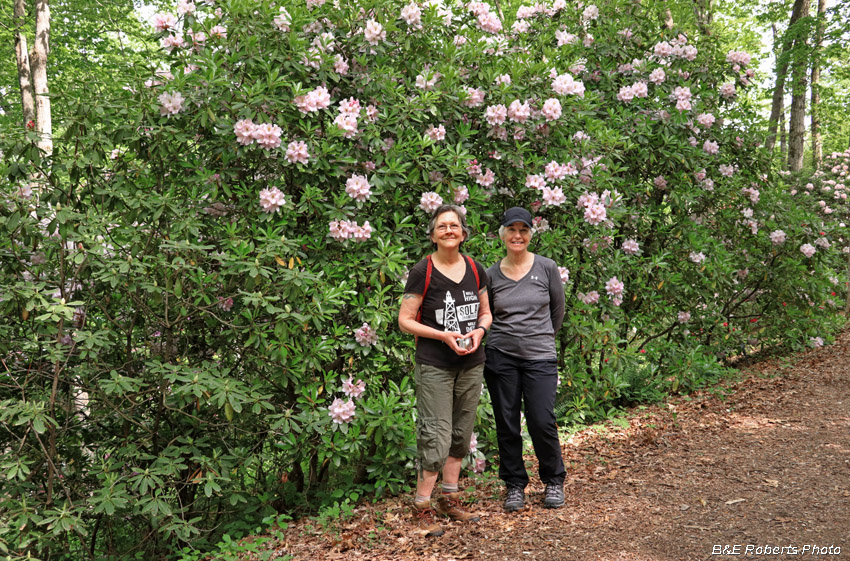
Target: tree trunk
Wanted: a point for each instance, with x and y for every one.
(40, 51)
(704, 15)
(783, 134)
(782, 60)
(797, 122)
(817, 140)
(668, 19)
(23, 58)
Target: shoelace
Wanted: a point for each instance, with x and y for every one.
(552, 492)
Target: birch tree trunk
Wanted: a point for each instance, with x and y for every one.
(23, 60)
(704, 15)
(40, 51)
(797, 122)
(817, 140)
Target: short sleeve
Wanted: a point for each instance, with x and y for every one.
(416, 279)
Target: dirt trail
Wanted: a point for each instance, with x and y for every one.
(761, 462)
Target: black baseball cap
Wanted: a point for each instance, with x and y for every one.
(516, 214)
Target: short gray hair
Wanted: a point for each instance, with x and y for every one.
(503, 229)
(461, 216)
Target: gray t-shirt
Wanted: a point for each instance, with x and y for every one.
(526, 313)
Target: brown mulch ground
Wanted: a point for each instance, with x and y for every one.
(761, 461)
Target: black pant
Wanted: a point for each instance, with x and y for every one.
(512, 381)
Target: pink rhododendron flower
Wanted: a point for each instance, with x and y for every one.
(374, 32)
(696, 257)
(684, 317)
(313, 101)
(489, 22)
(430, 201)
(164, 22)
(502, 80)
(565, 38)
(461, 195)
(738, 57)
(807, 249)
(171, 103)
(535, 181)
(539, 224)
(640, 89)
(727, 90)
(347, 123)
(519, 111)
(711, 147)
(581, 136)
(626, 94)
(185, 7)
(553, 197)
(564, 274)
(225, 303)
(590, 13)
(171, 42)
(283, 20)
(218, 32)
(725, 170)
(475, 97)
(565, 85)
(244, 130)
(357, 187)
(705, 120)
(631, 247)
(595, 214)
(551, 109)
(341, 411)
(480, 463)
(657, 76)
(366, 336)
(683, 105)
(660, 182)
(614, 287)
(436, 133)
(554, 171)
(487, 178)
(591, 297)
(823, 243)
(777, 237)
(353, 389)
(412, 15)
(520, 26)
(473, 443)
(496, 114)
(296, 152)
(267, 135)
(588, 40)
(271, 199)
(816, 342)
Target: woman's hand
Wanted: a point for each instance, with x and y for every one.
(475, 336)
(451, 339)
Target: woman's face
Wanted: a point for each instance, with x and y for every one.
(517, 237)
(448, 233)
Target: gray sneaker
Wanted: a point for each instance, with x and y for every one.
(515, 498)
(553, 496)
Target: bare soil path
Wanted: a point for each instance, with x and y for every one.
(760, 462)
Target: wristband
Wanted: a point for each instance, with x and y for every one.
(482, 327)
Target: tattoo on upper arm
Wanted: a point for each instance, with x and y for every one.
(483, 290)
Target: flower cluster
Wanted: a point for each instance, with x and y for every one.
(271, 199)
(357, 187)
(366, 335)
(348, 229)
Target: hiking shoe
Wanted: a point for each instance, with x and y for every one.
(515, 498)
(449, 505)
(426, 520)
(553, 497)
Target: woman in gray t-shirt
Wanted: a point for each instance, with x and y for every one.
(527, 302)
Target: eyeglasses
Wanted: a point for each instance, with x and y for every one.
(445, 227)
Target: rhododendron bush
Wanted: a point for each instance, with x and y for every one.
(202, 296)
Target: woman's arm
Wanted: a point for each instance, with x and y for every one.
(485, 320)
(557, 301)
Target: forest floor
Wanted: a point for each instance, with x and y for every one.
(762, 461)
